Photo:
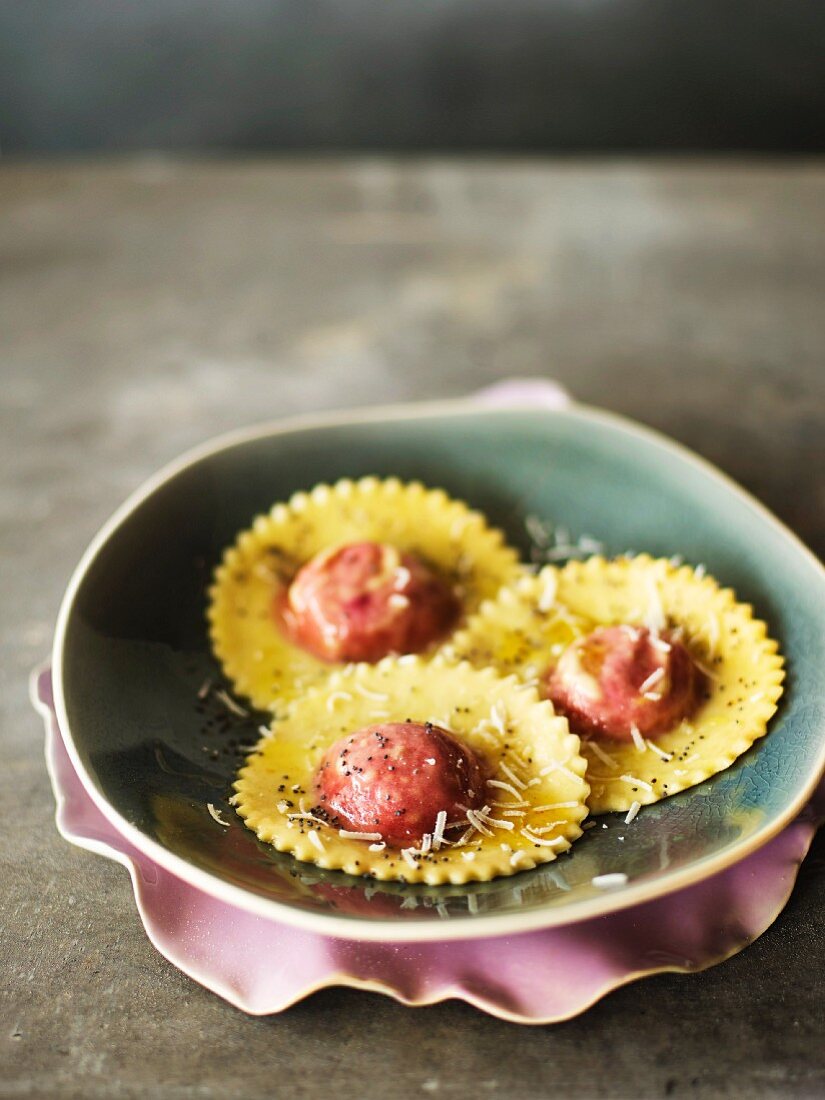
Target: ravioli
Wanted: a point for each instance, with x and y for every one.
(260, 658)
(535, 796)
(529, 625)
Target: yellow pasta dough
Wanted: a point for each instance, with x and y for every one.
(257, 655)
(528, 626)
(535, 795)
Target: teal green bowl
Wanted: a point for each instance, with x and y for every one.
(131, 652)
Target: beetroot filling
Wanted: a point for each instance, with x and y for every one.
(621, 677)
(395, 778)
(365, 600)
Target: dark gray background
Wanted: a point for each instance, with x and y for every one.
(560, 75)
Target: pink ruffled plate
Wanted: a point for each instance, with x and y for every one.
(263, 967)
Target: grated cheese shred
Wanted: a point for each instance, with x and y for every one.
(636, 782)
(230, 704)
(315, 840)
(216, 815)
(631, 813)
(534, 838)
(607, 882)
(438, 831)
(336, 697)
(477, 822)
(605, 757)
(351, 834)
(638, 740)
(376, 696)
(657, 675)
(513, 778)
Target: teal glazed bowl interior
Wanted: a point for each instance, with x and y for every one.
(132, 651)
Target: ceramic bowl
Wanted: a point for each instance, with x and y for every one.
(262, 966)
(131, 651)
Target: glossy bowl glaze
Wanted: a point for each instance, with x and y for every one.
(131, 652)
(262, 966)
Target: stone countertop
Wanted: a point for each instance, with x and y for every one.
(148, 304)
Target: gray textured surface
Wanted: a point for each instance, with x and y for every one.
(146, 306)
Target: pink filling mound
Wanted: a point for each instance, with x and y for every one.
(366, 600)
(621, 678)
(394, 779)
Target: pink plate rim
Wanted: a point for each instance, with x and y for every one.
(530, 978)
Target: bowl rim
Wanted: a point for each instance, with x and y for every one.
(382, 930)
